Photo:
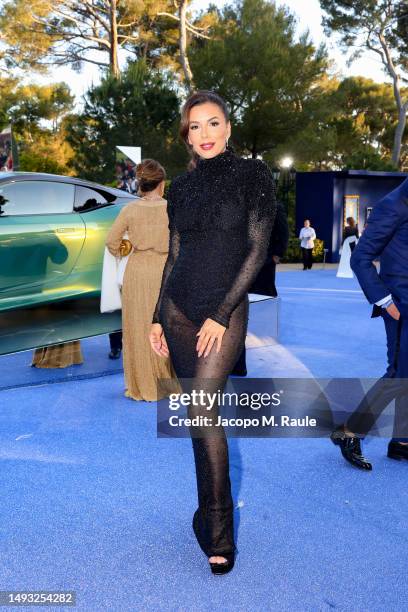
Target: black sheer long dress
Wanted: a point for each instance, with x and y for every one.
(220, 219)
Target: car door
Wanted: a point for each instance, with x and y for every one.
(98, 209)
(41, 237)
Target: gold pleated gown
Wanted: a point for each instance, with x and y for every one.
(146, 223)
(58, 355)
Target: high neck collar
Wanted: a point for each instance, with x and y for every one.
(224, 158)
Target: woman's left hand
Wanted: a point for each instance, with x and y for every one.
(210, 332)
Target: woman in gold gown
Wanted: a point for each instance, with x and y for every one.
(146, 222)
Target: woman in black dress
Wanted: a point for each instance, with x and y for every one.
(221, 213)
(351, 229)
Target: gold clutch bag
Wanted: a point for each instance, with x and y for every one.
(125, 247)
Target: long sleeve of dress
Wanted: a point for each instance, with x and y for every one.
(174, 247)
(261, 216)
(115, 234)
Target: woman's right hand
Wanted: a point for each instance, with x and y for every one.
(158, 341)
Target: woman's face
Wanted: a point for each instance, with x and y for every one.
(307, 223)
(208, 130)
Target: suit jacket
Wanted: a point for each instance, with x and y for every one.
(385, 239)
(278, 243)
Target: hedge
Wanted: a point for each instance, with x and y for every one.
(294, 252)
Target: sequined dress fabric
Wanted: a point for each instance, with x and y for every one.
(221, 216)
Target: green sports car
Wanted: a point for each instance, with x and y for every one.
(52, 237)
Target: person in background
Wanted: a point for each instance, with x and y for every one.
(385, 239)
(307, 237)
(265, 281)
(146, 222)
(133, 185)
(115, 341)
(351, 229)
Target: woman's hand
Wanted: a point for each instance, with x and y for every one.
(210, 332)
(158, 341)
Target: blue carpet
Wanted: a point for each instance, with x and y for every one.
(94, 502)
(15, 370)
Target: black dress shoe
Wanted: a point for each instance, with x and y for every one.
(350, 448)
(115, 353)
(223, 568)
(396, 450)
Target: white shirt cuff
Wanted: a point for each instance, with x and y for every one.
(384, 300)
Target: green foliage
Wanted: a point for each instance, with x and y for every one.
(364, 123)
(140, 109)
(28, 108)
(379, 26)
(352, 128)
(294, 252)
(31, 162)
(360, 21)
(39, 33)
(34, 103)
(367, 159)
(269, 78)
(277, 85)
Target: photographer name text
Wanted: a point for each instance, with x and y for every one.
(264, 421)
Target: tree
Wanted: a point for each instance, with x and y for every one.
(28, 106)
(351, 126)
(379, 26)
(49, 152)
(197, 29)
(36, 113)
(40, 33)
(7, 88)
(140, 109)
(269, 77)
(364, 121)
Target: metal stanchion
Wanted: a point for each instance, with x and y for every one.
(325, 251)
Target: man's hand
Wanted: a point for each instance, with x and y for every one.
(276, 259)
(210, 332)
(393, 311)
(158, 341)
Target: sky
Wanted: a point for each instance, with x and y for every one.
(309, 16)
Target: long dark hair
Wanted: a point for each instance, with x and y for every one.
(194, 99)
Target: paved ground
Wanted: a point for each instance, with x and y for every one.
(93, 501)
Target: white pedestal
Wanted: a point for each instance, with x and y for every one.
(264, 320)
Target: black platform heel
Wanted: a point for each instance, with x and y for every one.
(225, 566)
(217, 569)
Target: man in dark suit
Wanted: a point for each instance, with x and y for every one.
(265, 281)
(385, 239)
